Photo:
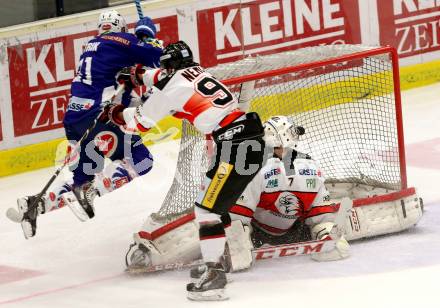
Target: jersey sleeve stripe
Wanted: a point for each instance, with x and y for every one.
(151, 77)
(241, 210)
(318, 210)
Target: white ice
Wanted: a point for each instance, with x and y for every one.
(75, 264)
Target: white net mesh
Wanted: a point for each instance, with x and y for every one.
(347, 108)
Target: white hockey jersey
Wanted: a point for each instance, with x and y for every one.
(279, 195)
(191, 94)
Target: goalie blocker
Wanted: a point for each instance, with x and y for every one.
(161, 246)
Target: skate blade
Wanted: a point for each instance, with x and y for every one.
(138, 270)
(210, 295)
(134, 270)
(27, 229)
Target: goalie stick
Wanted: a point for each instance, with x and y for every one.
(270, 252)
(12, 213)
(262, 253)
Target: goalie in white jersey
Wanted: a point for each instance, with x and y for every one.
(289, 189)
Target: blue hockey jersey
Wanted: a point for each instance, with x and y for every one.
(103, 57)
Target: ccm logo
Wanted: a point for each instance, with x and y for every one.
(227, 135)
(289, 251)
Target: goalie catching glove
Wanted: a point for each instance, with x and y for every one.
(342, 249)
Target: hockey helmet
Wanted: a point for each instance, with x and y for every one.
(145, 28)
(281, 131)
(111, 21)
(176, 56)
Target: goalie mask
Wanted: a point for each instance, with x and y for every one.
(176, 56)
(111, 21)
(281, 131)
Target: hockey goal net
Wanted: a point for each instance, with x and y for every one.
(347, 98)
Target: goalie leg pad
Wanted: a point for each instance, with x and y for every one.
(384, 214)
(181, 244)
(240, 246)
(166, 245)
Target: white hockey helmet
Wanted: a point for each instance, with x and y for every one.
(111, 21)
(281, 131)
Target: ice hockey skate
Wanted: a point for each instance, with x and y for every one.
(85, 194)
(197, 271)
(29, 208)
(211, 284)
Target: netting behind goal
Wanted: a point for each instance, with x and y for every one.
(345, 96)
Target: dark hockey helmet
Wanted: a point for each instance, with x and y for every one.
(176, 56)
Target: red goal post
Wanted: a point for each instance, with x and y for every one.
(346, 96)
(393, 55)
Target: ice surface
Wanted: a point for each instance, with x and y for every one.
(75, 264)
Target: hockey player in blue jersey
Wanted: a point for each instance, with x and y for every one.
(96, 79)
(102, 59)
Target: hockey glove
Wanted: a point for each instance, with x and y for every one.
(131, 76)
(154, 42)
(342, 249)
(112, 113)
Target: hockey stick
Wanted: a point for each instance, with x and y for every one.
(139, 8)
(156, 138)
(295, 249)
(17, 216)
(246, 94)
(262, 253)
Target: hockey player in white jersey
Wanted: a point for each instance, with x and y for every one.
(183, 89)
